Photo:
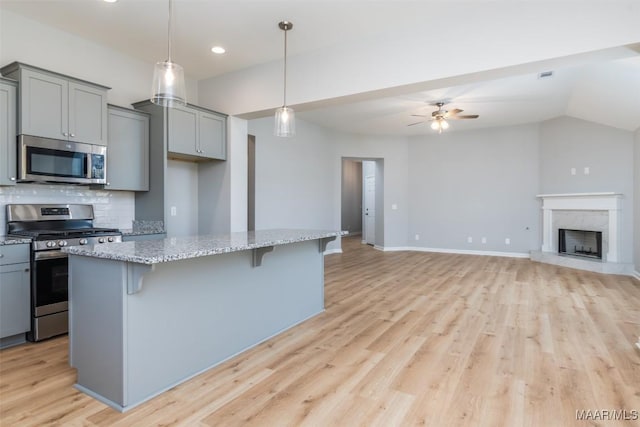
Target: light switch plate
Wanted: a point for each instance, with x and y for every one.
(587, 171)
(507, 241)
(394, 207)
(469, 239)
(484, 240)
(173, 211)
(573, 171)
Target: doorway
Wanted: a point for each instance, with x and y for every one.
(362, 202)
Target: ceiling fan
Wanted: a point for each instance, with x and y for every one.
(440, 117)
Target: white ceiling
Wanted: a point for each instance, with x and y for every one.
(606, 92)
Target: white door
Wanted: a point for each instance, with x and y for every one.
(369, 195)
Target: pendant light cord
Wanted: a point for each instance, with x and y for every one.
(285, 67)
(169, 35)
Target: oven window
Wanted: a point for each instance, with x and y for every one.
(51, 281)
(45, 161)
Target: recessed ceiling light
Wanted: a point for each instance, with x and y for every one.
(218, 49)
(110, 1)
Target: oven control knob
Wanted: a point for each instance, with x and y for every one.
(83, 241)
(51, 244)
(110, 239)
(62, 243)
(100, 239)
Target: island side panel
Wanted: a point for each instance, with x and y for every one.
(193, 314)
(97, 289)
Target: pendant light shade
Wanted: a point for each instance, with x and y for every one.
(168, 85)
(168, 88)
(285, 124)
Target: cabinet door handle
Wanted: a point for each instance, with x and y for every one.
(13, 178)
(26, 270)
(1, 255)
(72, 135)
(65, 134)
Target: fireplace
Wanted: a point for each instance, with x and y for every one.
(582, 243)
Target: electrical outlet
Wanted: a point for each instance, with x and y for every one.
(469, 239)
(507, 241)
(587, 171)
(394, 207)
(573, 171)
(173, 211)
(484, 240)
(417, 237)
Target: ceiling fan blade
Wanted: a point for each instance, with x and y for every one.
(469, 116)
(455, 111)
(416, 123)
(419, 115)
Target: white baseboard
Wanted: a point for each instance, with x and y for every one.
(332, 251)
(379, 248)
(636, 274)
(454, 251)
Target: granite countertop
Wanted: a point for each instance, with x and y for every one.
(133, 232)
(8, 240)
(144, 227)
(177, 248)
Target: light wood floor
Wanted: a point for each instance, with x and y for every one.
(407, 338)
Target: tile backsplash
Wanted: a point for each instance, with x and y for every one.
(114, 209)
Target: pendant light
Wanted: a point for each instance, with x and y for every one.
(285, 116)
(168, 78)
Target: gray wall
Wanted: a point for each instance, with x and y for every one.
(475, 184)
(391, 155)
(298, 180)
(636, 186)
(294, 177)
(567, 143)
(181, 193)
(351, 206)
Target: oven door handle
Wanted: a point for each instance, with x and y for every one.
(50, 255)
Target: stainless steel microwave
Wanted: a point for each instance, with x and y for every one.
(53, 160)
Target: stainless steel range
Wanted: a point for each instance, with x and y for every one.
(52, 227)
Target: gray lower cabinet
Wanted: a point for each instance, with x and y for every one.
(15, 294)
(128, 150)
(196, 133)
(8, 142)
(56, 106)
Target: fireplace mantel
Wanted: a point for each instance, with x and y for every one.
(611, 202)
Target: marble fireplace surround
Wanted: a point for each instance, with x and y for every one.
(606, 203)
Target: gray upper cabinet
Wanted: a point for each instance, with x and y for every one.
(128, 152)
(196, 134)
(8, 106)
(212, 136)
(56, 106)
(183, 131)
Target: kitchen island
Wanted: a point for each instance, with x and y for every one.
(145, 316)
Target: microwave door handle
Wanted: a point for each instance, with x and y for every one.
(89, 166)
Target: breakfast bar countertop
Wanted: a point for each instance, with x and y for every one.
(178, 248)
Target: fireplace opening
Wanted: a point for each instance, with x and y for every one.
(581, 243)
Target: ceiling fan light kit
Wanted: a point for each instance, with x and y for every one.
(285, 119)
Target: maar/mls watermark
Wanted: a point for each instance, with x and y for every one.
(607, 414)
